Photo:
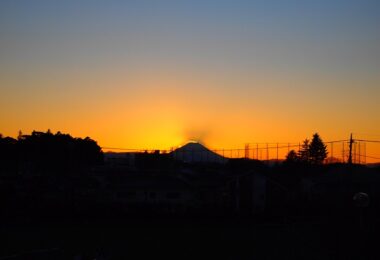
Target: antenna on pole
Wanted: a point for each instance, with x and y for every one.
(350, 151)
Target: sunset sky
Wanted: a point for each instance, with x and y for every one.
(154, 74)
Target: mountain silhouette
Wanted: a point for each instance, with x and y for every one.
(194, 152)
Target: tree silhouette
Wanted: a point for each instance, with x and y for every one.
(313, 152)
(292, 157)
(48, 152)
(304, 152)
(8, 154)
(317, 150)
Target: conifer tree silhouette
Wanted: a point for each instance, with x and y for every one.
(317, 150)
(304, 152)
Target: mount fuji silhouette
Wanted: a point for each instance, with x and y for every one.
(194, 152)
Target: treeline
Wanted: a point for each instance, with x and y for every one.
(313, 153)
(42, 152)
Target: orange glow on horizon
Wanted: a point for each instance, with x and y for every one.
(168, 109)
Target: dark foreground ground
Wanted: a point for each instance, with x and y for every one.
(192, 239)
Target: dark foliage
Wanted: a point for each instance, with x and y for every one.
(314, 152)
(8, 154)
(47, 153)
(317, 150)
(291, 157)
(304, 152)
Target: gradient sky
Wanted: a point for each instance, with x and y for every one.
(154, 74)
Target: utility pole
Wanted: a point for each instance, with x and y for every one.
(246, 151)
(257, 151)
(350, 151)
(277, 153)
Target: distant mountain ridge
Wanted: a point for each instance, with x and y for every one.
(193, 152)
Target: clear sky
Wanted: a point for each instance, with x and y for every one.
(154, 74)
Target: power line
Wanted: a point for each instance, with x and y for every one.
(265, 150)
(371, 157)
(368, 141)
(124, 149)
(337, 141)
(285, 145)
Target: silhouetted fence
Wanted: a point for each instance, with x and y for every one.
(363, 152)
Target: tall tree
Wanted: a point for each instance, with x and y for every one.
(304, 152)
(317, 150)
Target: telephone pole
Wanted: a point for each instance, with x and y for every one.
(350, 151)
(246, 151)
